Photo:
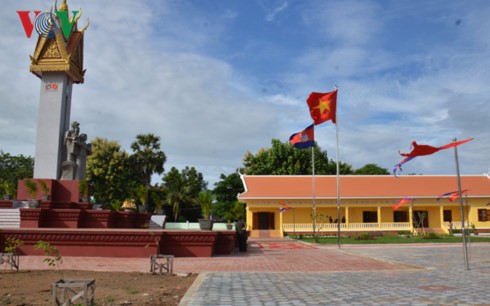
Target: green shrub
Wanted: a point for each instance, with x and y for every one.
(431, 236)
(31, 188)
(44, 187)
(405, 233)
(364, 236)
(11, 244)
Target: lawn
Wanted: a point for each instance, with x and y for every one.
(390, 239)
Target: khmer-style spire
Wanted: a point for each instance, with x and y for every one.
(63, 6)
(64, 51)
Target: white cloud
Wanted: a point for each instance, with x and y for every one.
(167, 68)
(276, 10)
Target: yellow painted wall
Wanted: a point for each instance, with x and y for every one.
(475, 205)
(302, 213)
(387, 214)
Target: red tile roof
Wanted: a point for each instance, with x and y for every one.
(360, 186)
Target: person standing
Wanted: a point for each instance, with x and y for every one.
(241, 230)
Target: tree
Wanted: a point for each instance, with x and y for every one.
(147, 158)
(284, 159)
(109, 172)
(226, 191)
(205, 199)
(194, 181)
(182, 190)
(176, 191)
(14, 168)
(371, 169)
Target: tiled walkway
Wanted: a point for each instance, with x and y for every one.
(288, 273)
(292, 257)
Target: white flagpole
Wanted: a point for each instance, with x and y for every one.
(468, 218)
(338, 175)
(465, 250)
(338, 185)
(313, 190)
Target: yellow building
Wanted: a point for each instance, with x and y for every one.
(365, 204)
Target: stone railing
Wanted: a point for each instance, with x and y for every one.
(332, 227)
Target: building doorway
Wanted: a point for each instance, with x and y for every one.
(263, 221)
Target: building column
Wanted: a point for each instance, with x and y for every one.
(441, 215)
(281, 230)
(410, 215)
(379, 217)
(346, 217)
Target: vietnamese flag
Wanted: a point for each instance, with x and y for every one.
(304, 139)
(323, 106)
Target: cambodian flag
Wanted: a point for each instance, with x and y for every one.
(454, 195)
(283, 207)
(304, 139)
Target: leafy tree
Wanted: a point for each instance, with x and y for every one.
(109, 172)
(228, 187)
(194, 180)
(182, 190)
(226, 191)
(284, 159)
(371, 169)
(147, 159)
(14, 168)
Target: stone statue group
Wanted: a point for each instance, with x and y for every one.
(77, 150)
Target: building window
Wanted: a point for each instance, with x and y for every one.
(369, 216)
(400, 216)
(448, 216)
(482, 215)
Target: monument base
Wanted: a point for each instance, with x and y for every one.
(130, 243)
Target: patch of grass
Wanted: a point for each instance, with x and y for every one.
(132, 291)
(431, 236)
(394, 240)
(109, 299)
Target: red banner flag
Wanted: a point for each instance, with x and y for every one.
(401, 202)
(323, 106)
(421, 150)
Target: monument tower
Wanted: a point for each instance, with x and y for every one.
(58, 62)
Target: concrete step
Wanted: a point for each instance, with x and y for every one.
(9, 218)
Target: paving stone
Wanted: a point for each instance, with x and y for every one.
(425, 274)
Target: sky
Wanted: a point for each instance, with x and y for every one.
(217, 78)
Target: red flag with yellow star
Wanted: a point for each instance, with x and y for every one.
(323, 106)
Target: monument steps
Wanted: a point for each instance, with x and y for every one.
(10, 218)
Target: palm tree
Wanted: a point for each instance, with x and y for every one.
(182, 189)
(205, 200)
(177, 193)
(175, 199)
(147, 158)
